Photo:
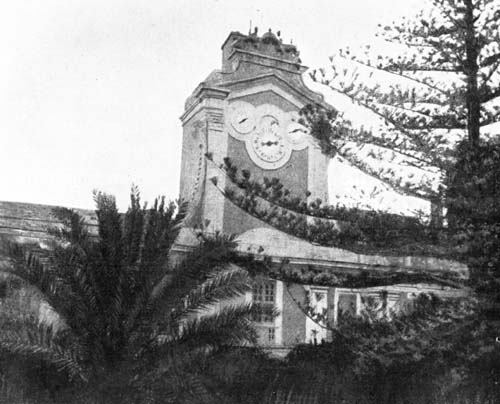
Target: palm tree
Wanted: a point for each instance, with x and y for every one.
(121, 298)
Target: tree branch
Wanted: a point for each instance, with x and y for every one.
(399, 75)
(490, 96)
(394, 187)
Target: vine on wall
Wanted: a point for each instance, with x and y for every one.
(332, 226)
(331, 277)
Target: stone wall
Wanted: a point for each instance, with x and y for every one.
(294, 319)
(29, 223)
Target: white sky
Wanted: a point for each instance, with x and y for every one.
(91, 91)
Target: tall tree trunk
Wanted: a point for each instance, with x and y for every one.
(471, 69)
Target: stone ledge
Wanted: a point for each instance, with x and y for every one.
(279, 246)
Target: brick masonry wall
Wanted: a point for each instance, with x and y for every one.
(29, 222)
(294, 319)
(237, 221)
(193, 169)
(293, 175)
(294, 180)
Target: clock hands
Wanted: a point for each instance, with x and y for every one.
(270, 134)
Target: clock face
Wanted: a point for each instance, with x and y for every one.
(242, 117)
(270, 134)
(296, 133)
(268, 141)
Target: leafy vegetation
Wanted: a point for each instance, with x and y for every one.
(354, 229)
(124, 305)
(431, 81)
(434, 119)
(125, 322)
(434, 352)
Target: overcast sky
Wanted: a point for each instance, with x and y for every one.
(91, 91)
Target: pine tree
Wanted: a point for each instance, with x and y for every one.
(435, 92)
(433, 81)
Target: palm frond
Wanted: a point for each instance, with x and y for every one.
(231, 325)
(110, 233)
(63, 287)
(133, 229)
(116, 311)
(37, 341)
(135, 322)
(32, 269)
(212, 253)
(161, 230)
(178, 220)
(175, 382)
(110, 290)
(27, 265)
(74, 230)
(220, 286)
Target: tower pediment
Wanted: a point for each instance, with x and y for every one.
(252, 64)
(237, 85)
(294, 91)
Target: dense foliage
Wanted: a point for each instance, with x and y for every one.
(433, 80)
(429, 141)
(122, 305)
(354, 229)
(434, 353)
(124, 323)
(474, 217)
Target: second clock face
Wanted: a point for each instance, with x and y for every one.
(242, 117)
(269, 134)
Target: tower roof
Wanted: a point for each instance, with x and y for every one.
(269, 45)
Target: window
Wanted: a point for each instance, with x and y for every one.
(270, 334)
(257, 292)
(263, 294)
(347, 304)
(269, 292)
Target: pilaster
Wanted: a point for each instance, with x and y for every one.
(317, 177)
(208, 107)
(278, 321)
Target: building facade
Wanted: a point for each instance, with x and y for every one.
(245, 116)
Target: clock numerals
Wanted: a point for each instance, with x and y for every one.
(269, 134)
(268, 142)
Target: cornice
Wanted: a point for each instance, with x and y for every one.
(297, 67)
(303, 92)
(334, 265)
(200, 94)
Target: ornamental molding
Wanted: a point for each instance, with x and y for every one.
(206, 98)
(215, 119)
(269, 133)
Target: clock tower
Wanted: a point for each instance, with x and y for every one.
(247, 111)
